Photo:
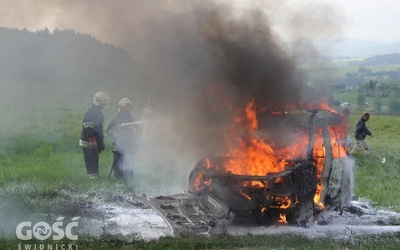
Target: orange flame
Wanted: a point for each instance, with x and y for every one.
(245, 195)
(253, 156)
(282, 219)
(285, 202)
(198, 183)
(248, 153)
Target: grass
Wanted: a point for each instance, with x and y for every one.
(339, 69)
(351, 98)
(249, 242)
(43, 174)
(374, 180)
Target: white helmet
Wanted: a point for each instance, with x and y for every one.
(124, 102)
(101, 97)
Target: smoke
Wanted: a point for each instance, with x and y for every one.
(201, 59)
(348, 180)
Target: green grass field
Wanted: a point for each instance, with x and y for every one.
(335, 70)
(42, 171)
(351, 98)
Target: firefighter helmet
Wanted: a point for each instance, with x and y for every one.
(101, 97)
(125, 102)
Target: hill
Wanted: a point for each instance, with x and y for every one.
(354, 48)
(388, 59)
(62, 57)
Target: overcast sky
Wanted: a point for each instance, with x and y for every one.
(376, 20)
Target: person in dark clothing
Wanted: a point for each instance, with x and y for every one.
(92, 137)
(124, 136)
(361, 133)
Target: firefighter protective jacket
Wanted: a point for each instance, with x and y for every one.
(92, 126)
(124, 138)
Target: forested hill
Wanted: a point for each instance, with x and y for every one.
(62, 57)
(389, 59)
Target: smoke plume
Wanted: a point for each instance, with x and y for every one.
(200, 59)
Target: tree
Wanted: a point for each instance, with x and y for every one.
(378, 104)
(364, 71)
(394, 105)
(361, 100)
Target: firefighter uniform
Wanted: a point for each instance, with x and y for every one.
(92, 137)
(124, 141)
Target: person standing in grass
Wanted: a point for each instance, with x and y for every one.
(124, 141)
(92, 137)
(361, 133)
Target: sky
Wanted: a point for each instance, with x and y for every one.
(361, 19)
(372, 19)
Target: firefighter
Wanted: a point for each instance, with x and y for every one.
(92, 137)
(124, 140)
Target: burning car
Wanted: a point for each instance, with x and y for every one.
(283, 167)
(291, 168)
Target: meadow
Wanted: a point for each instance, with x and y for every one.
(338, 68)
(43, 173)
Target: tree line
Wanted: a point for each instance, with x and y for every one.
(377, 90)
(62, 57)
(377, 84)
(353, 80)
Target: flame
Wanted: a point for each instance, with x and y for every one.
(263, 210)
(320, 105)
(245, 195)
(339, 149)
(319, 205)
(207, 164)
(282, 202)
(282, 218)
(200, 183)
(285, 202)
(249, 153)
(339, 139)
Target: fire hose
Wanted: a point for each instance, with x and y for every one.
(129, 124)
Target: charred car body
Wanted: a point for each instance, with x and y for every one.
(306, 175)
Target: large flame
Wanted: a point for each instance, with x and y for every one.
(250, 151)
(250, 154)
